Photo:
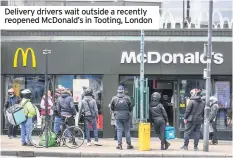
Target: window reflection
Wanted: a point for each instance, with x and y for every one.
(33, 82)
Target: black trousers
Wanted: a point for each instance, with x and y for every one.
(12, 130)
(159, 126)
(213, 135)
(192, 128)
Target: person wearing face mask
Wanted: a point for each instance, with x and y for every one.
(11, 100)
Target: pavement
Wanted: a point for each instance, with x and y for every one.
(12, 147)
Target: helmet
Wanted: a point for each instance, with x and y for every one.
(26, 93)
(155, 96)
(213, 100)
(195, 92)
(11, 92)
(88, 92)
(120, 89)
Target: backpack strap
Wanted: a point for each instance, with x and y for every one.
(89, 107)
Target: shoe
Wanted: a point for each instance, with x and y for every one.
(196, 149)
(184, 148)
(24, 144)
(162, 146)
(214, 142)
(89, 144)
(97, 143)
(10, 137)
(129, 146)
(15, 137)
(167, 145)
(29, 144)
(119, 147)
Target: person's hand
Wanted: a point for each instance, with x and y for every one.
(185, 121)
(167, 123)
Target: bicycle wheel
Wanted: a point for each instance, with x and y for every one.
(37, 135)
(73, 137)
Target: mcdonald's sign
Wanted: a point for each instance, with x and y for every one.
(24, 56)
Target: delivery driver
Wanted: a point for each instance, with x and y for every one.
(10, 101)
(30, 112)
(159, 118)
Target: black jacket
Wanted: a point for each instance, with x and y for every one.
(157, 111)
(196, 108)
(121, 111)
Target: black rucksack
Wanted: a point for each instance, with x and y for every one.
(121, 102)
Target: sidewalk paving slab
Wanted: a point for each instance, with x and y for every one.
(12, 147)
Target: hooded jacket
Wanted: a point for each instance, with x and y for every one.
(65, 105)
(121, 111)
(90, 110)
(157, 111)
(195, 108)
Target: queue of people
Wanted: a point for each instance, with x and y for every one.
(62, 107)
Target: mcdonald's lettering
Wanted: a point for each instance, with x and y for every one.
(24, 57)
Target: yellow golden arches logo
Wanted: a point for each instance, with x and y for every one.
(24, 56)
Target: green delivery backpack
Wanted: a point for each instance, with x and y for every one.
(52, 140)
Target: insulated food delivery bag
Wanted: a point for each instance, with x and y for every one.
(170, 132)
(15, 115)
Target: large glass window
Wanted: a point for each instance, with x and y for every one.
(94, 82)
(33, 82)
(222, 90)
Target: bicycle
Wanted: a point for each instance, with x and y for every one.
(66, 136)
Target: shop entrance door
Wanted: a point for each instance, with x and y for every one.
(168, 91)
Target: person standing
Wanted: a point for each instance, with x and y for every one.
(43, 107)
(193, 118)
(30, 112)
(122, 107)
(66, 108)
(159, 118)
(57, 117)
(10, 101)
(89, 108)
(213, 119)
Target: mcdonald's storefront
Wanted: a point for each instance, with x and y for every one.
(172, 68)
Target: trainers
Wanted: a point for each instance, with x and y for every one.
(97, 143)
(129, 146)
(10, 137)
(89, 144)
(184, 148)
(196, 149)
(24, 144)
(119, 147)
(167, 145)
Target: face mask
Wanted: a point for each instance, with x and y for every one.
(11, 95)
